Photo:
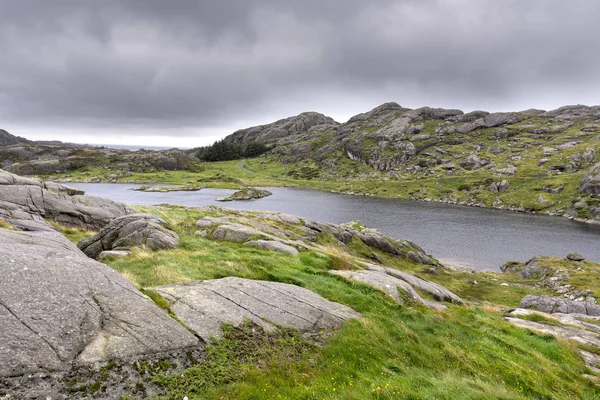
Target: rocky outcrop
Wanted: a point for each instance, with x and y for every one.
(204, 306)
(255, 227)
(39, 158)
(299, 124)
(135, 230)
(247, 194)
(23, 199)
(590, 184)
(400, 285)
(553, 305)
(60, 309)
(529, 270)
(575, 257)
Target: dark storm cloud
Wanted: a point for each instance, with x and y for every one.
(206, 63)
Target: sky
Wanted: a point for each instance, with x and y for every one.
(188, 72)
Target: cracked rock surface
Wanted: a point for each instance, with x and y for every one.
(60, 309)
(204, 306)
(26, 202)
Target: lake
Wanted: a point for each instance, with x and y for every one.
(466, 236)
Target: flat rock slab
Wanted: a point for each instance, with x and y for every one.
(438, 292)
(204, 306)
(553, 305)
(392, 281)
(59, 308)
(272, 245)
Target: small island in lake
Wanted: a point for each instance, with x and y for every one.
(247, 194)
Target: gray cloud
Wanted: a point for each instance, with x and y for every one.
(154, 63)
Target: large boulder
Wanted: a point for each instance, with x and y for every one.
(590, 184)
(129, 231)
(60, 309)
(204, 306)
(27, 199)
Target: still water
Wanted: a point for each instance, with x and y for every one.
(467, 236)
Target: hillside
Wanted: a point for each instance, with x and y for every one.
(533, 161)
(6, 139)
(529, 161)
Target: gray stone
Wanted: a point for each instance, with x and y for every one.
(27, 199)
(281, 217)
(575, 257)
(204, 306)
(553, 190)
(207, 222)
(503, 186)
(471, 126)
(438, 292)
(60, 188)
(236, 233)
(499, 119)
(390, 281)
(590, 184)
(59, 308)
(113, 254)
(473, 162)
(415, 129)
(419, 258)
(247, 194)
(130, 231)
(375, 239)
(529, 270)
(272, 245)
(552, 305)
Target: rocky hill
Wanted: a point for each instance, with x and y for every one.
(6, 139)
(533, 160)
(25, 157)
(392, 138)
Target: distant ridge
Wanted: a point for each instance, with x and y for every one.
(6, 139)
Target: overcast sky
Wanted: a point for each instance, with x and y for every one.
(184, 72)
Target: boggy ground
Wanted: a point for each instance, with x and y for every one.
(394, 351)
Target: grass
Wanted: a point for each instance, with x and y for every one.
(74, 234)
(392, 352)
(539, 318)
(6, 225)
